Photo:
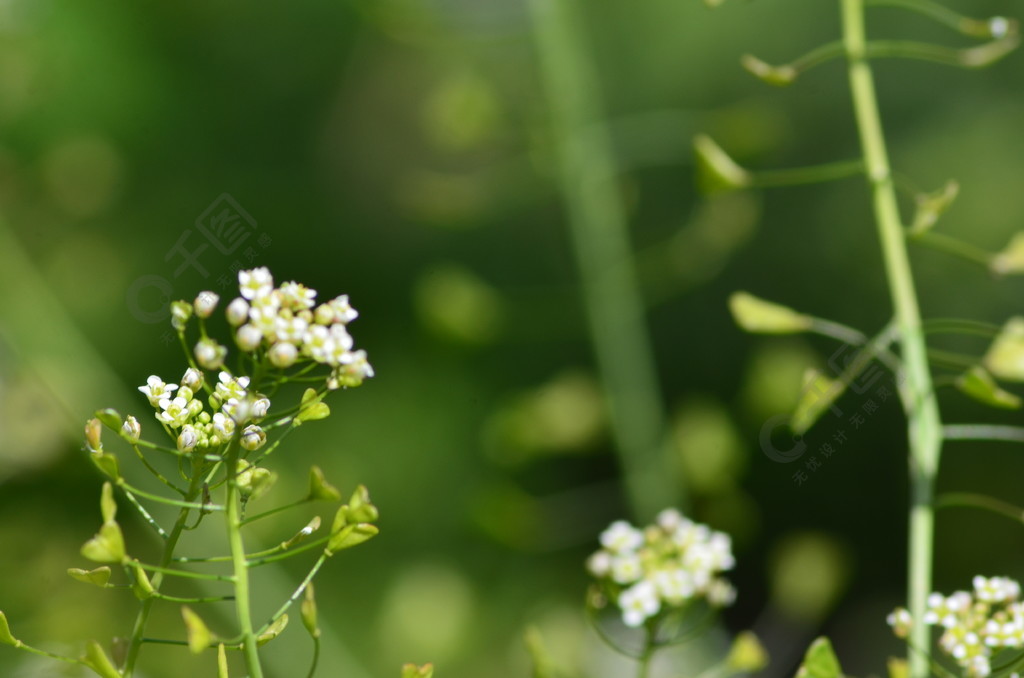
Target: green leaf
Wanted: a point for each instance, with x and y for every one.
(222, 662)
(313, 412)
(142, 587)
(319, 488)
(311, 527)
(107, 546)
(111, 418)
(199, 636)
(309, 613)
(979, 384)
(106, 463)
(98, 577)
(757, 315)
(820, 661)
(898, 668)
(716, 171)
(97, 660)
(931, 206)
(1011, 259)
(273, 631)
(360, 508)
(818, 394)
(5, 632)
(108, 507)
(747, 654)
(413, 671)
(349, 536)
(1005, 357)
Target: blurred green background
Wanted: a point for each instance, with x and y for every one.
(402, 152)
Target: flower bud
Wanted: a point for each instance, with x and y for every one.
(186, 393)
(181, 311)
(283, 354)
(209, 354)
(223, 425)
(131, 429)
(747, 654)
(205, 303)
(253, 437)
(187, 439)
(248, 337)
(93, 429)
(259, 408)
(238, 311)
(192, 379)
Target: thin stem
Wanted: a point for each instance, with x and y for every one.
(598, 227)
(165, 559)
(955, 247)
(807, 175)
(316, 657)
(644, 662)
(273, 511)
(974, 28)
(295, 594)
(960, 326)
(924, 422)
(240, 566)
(185, 574)
(170, 502)
(1014, 434)
(980, 501)
(971, 57)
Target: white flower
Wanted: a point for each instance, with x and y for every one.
(175, 412)
(248, 338)
(155, 389)
(259, 408)
(674, 585)
(670, 520)
(255, 283)
(996, 589)
(264, 318)
(296, 296)
(627, 568)
(228, 388)
(337, 310)
(205, 303)
(600, 564)
(621, 537)
(131, 429)
(187, 439)
(900, 621)
(341, 344)
(253, 437)
(290, 329)
(209, 354)
(283, 354)
(238, 311)
(351, 374)
(223, 425)
(318, 344)
(192, 379)
(721, 593)
(638, 603)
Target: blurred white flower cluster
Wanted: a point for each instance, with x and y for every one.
(179, 408)
(665, 565)
(287, 322)
(976, 624)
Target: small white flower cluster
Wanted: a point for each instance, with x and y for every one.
(179, 408)
(668, 564)
(288, 323)
(976, 624)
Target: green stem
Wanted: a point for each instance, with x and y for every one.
(1014, 434)
(924, 422)
(170, 544)
(980, 501)
(807, 175)
(955, 247)
(240, 565)
(971, 57)
(974, 28)
(598, 227)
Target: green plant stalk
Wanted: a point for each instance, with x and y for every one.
(600, 238)
(170, 544)
(924, 422)
(240, 565)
